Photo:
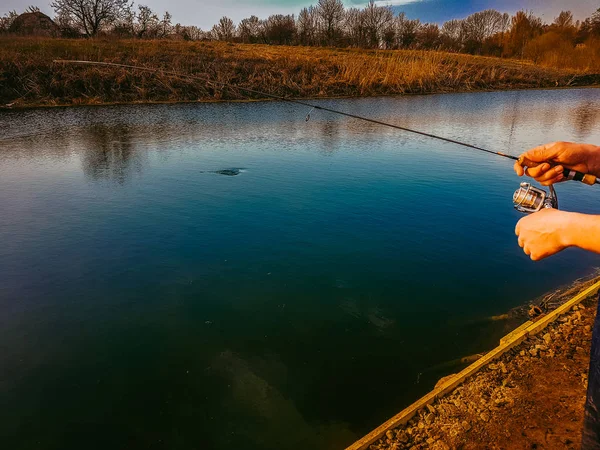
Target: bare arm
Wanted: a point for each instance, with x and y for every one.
(549, 231)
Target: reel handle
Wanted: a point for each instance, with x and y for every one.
(569, 174)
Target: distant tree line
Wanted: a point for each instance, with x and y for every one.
(329, 23)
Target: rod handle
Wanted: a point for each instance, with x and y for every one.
(569, 174)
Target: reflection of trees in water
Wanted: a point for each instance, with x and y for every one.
(110, 153)
(584, 117)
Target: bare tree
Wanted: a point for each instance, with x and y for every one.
(354, 27)
(452, 35)
(331, 13)
(7, 20)
(406, 30)
(564, 20)
(249, 29)
(280, 29)
(165, 28)
(90, 16)
(482, 25)
(224, 30)
(147, 22)
(377, 20)
(308, 26)
(428, 36)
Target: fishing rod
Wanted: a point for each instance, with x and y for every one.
(527, 198)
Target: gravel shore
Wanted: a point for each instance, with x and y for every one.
(531, 397)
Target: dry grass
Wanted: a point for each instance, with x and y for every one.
(29, 77)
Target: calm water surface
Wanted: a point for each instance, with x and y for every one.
(146, 302)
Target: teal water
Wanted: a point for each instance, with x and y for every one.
(148, 302)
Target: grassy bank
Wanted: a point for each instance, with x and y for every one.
(29, 77)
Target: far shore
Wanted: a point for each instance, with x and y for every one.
(31, 79)
(29, 106)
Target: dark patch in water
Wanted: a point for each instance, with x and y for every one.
(228, 172)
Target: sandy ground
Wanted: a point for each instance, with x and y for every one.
(531, 398)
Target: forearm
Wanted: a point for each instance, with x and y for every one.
(583, 231)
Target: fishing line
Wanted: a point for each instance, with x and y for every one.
(569, 174)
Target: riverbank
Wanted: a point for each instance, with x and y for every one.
(510, 404)
(29, 77)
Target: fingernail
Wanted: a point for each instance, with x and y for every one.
(545, 167)
(560, 177)
(558, 169)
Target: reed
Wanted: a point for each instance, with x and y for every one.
(28, 76)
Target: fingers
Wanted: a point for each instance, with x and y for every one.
(519, 169)
(543, 152)
(551, 176)
(544, 174)
(538, 171)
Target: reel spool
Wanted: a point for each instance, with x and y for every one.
(529, 199)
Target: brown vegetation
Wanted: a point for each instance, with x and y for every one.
(28, 75)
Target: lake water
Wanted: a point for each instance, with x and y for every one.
(148, 302)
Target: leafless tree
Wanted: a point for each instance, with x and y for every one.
(165, 27)
(452, 35)
(331, 13)
(249, 29)
(564, 20)
(428, 36)
(7, 20)
(354, 27)
(482, 25)
(280, 29)
(406, 30)
(377, 21)
(91, 16)
(147, 22)
(308, 26)
(224, 30)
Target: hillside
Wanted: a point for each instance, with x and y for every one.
(28, 76)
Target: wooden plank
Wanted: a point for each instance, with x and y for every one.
(509, 341)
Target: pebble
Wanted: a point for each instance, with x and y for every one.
(533, 352)
(466, 425)
(389, 434)
(402, 437)
(547, 338)
(484, 416)
(503, 368)
(431, 409)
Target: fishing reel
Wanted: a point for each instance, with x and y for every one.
(529, 199)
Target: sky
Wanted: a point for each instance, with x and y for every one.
(205, 13)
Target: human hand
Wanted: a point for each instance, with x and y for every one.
(555, 157)
(544, 233)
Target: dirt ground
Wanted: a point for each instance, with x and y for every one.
(531, 398)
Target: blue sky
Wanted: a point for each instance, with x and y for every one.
(204, 13)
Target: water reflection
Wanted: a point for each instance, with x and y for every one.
(109, 153)
(585, 117)
(112, 142)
